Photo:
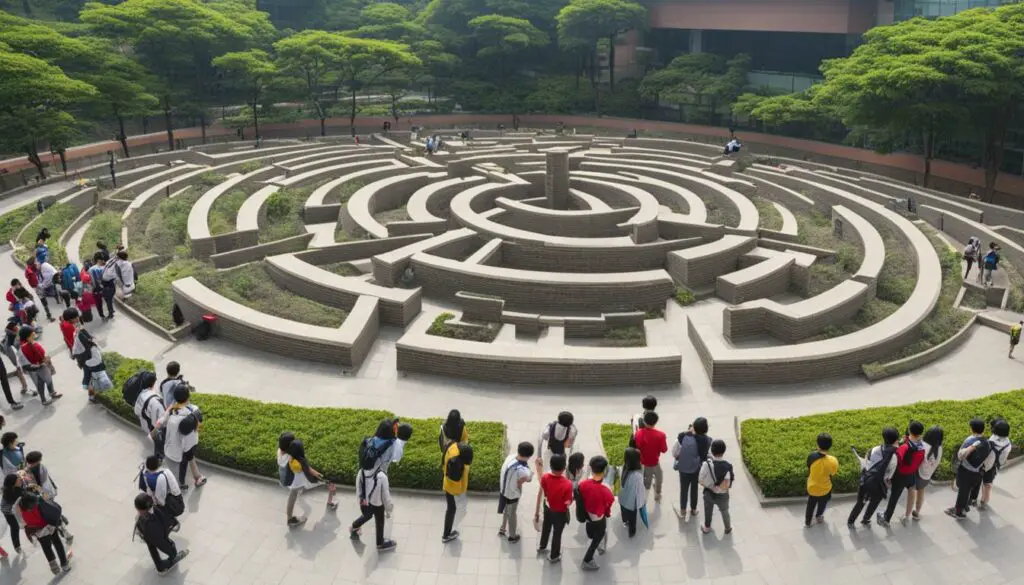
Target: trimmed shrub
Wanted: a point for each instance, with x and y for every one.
(775, 450)
(242, 434)
(632, 336)
(614, 440)
(442, 328)
(684, 296)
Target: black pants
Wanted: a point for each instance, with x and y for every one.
(900, 483)
(15, 529)
(873, 496)
(97, 293)
(970, 262)
(449, 514)
(6, 385)
(629, 517)
(554, 523)
(375, 512)
(46, 306)
(687, 487)
(109, 289)
(186, 458)
(595, 532)
(53, 544)
(165, 546)
(966, 480)
(816, 506)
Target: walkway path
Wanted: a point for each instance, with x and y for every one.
(237, 535)
(30, 195)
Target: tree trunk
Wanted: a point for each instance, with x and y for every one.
(929, 146)
(63, 161)
(33, 157)
(202, 124)
(26, 7)
(611, 63)
(323, 126)
(352, 112)
(394, 108)
(170, 126)
(121, 135)
(579, 69)
(145, 124)
(995, 142)
(256, 119)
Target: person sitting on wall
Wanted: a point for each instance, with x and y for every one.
(733, 147)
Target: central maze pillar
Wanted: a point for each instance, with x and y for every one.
(556, 180)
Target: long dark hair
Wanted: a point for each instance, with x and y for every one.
(11, 491)
(933, 437)
(298, 453)
(575, 464)
(630, 462)
(453, 426)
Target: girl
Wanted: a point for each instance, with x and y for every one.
(632, 495)
(303, 477)
(575, 471)
(38, 525)
(452, 431)
(12, 490)
(89, 357)
(932, 457)
(38, 365)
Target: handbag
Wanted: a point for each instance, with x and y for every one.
(101, 381)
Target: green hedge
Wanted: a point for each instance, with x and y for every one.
(242, 434)
(775, 450)
(614, 440)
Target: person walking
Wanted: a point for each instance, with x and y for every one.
(41, 519)
(301, 477)
(163, 487)
(38, 365)
(35, 278)
(168, 384)
(648, 404)
(458, 458)
(876, 471)
(558, 436)
(999, 453)
(453, 430)
(12, 490)
(155, 527)
(373, 491)
(632, 493)
(181, 423)
(515, 471)
(969, 467)
(821, 468)
(991, 262)
(576, 468)
(597, 501)
(651, 443)
(1015, 337)
(909, 456)
(99, 287)
(6, 385)
(932, 458)
(690, 451)
(122, 272)
(971, 254)
(716, 477)
(556, 490)
(149, 408)
(9, 346)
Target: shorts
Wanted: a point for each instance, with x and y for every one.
(990, 476)
(921, 483)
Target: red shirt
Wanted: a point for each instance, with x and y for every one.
(10, 296)
(32, 277)
(651, 443)
(915, 460)
(33, 518)
(597, 498)
(34, 353)
(557, 490)
(68, 331)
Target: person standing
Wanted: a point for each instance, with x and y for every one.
(149, 408)
(651, 443)
(373, 492)
(6, 385)
(453, 430)
(121, 272)
(597, 500)
(162, 486)
(690, 452)
(909, 456)
(821, 467)
(108, 282)
(12, 490)
(38, 365)
(556, 491)
(171, 382)
(971, 254)
(458, 458)
(181, 423)
(969, 467)
(999, 453)
(632, 494)
(716, 476)
(111, 163)
(99, 287)
(559, 436)
(1014, 337)
(34, 277)
(648, 404)
(154, 527)
(876, 471)
(932, 457)
(514, 473)
(9, 345)
(41, 520)
(991, 262)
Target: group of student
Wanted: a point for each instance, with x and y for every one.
(987, 260)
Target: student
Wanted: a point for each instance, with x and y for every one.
(650, 441)
(34, 277)
(458, 458)
(374, 495)
(991, 262)
(453, 430)
(9, 346)
(558, 436)
(162, 486)
(632, 493)
(971, 254)
(108, 282)
(89, 357)
(716, 477)
(514, 473)
(821, 467)
(42, 250)
(149, 408)
(576, 469)
(37, 476)
(37, 365)
(556, 491)
(1014, 337)
(48, 284)
(41, 519)
(302, 477)
(876, 471)
(181, 423)
(168, 384)
(67, 327)
(909, 456)
(154, 527)
(932, 458)
(597, 500)
(649, 403)
(123, 273)
(99, 288)
(12, 454)
(6, 386)
(12, 490)
(969, 466)
(999, 452)
(690, 452)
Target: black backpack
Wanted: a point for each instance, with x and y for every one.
(978, 456)
(133, 387)
(554, 445)
(581, 509)
(190, 422)
(370, 452)
(875, 475)
(145, 410)
(908, 455)
(51, 512)
(998, 451)
(814, 456)
(455, 468)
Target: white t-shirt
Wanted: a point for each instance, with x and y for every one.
(46, 274)
(929, 464)
(167, 386)
(1002, 443)
(560, 433)
(379, 488)
(176, 444)
(511, 488)
(165, 483)
(154, 409)
(393, 454)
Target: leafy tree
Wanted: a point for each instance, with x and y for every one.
(501, 37)
(360, 62)
(254, 70)
(309, 57)
(389, 22)
(701, 80)
(584, 22)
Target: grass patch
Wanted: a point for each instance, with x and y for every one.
(631, 336)
(344, 192)
(614, 441)
(1016, 301)
(815, 229)
(105, 227)
(12, 221)
(386, 217)
(211, 179)
(224, 211)
(251, 286)
(442, 328)
(250, 166)
(152, 296)
(57, 219)
(684, 296)
(770, 218)
(342, 269)
(775, 451)
(284, 214)
(241, 434)
(163, 230)
(725, 215)
(974, 299)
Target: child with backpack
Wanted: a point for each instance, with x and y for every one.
(991, 262)
(690, 451)
(71, 280)
(300, 476)
(932, 457)
(181, 423)
(876, 471)
(154, 526)
(515, 471)
(971, 254)
(374, 495)
(650, 441)
(162, 486)
(458, 458)
(716, 477)
(968, 467)
(909, 457)
(594, 506)
(558, 436)
(38, 365)
(41, 519)
(999, 453)
(821, 467)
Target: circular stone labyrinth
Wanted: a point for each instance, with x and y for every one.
(558, 255)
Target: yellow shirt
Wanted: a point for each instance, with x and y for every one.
(1015, 332)
(819, 477)
(454, 488)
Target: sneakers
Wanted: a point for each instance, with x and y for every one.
(296, 521)
(951, 512)
(880, 519)
(589, 566)
(982, 505)
(177, 559)
(17, 406)
(451, 536)
(514, 539)
(201, 481)
(557, 559)
(332, 506)
(819, 519)
(387, 546)
(501, 532)
(657, 497)
(67, 567)
(905, 520)
(705, 529)
(54, 568)
(915, 515)
(542, 549)
(353, 533)
(45, 402)
(56, 396)
(28, 392)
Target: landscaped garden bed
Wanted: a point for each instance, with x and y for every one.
(485, 332)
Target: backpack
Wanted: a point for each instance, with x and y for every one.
(689, 460)
(371, 450)
(365, 499)
(813, 457)
(998, 451)
(455, 469)
(51, 512)
(554, 445)
(177, 316)
(977, 457)
(908, 455)
(190, 422)
(875, 475)
(69, 278)
(991, 259)
(287, 476)
(502, 500)
(145, 411)
(581, 509)
(133, 387)
(969, 252)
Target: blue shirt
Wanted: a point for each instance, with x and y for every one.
(42, 253)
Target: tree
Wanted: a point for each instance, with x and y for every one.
(702, 80)
(253, 69)
(389, 22)
(360, 62)
(310, 57)
(586, 21)
(501, 37)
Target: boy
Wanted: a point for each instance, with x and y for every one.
(821, 467)
(651, 443)
(149, 407)
(169, 383)
(690, 452)
(597, 500)
(909, 456)
(969, 463)
(649, 403)
(558, 436)
(991, 262)
(182, 438)
(514, 473)
(716, 476)
(374, 495)
(876, 473)
(458, 458)
(68, 320)
(556, 490)
(37, 365)
(1015, 337)
(999, 452)
(154, 527)
(161, 484)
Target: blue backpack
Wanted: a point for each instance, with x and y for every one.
(69, 277)
(991, 259)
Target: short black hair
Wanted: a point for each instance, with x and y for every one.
(598, 464)
(8, 439)
(1000, 427)
(33, 457)
(123, 255)
(285, 441)
(525, 449)
(565, 418)
(70, 314)
(143, 502)
(181, 393)
(718, 447)
(649, 402)
(558, 462)
(173, 369)
(916, 428)
(977, 425)
(890, 435)
(650, 418)
(152, 463)
(15, 282)
(824, 441)
(700, 426)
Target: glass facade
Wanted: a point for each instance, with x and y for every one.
(907, 9)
